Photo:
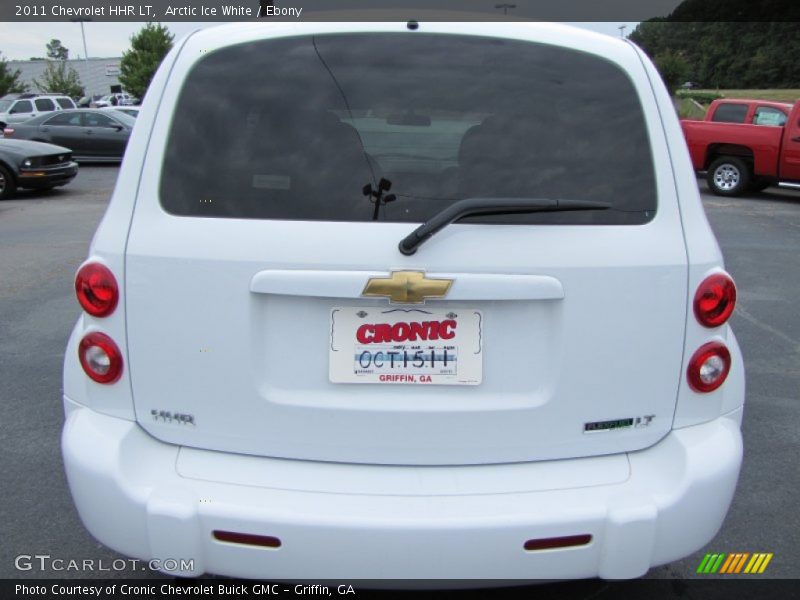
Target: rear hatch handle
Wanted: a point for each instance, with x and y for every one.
(351, 284)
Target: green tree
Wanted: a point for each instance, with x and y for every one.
(673, 69)
(727, 54)
(60, 77)
(139, 64)
(9, 80)
(56, 51)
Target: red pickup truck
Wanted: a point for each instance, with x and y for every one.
(746, 145)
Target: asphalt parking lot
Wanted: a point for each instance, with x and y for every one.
(44, 236)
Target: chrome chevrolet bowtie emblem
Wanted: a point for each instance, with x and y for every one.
(407, 287)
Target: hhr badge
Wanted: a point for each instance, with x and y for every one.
(407, 287)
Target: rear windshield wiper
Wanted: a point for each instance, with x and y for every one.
(489, 206)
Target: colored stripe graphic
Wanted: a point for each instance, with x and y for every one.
(704, 563)
(727, 564)
(730, 564)
(734, 563)
(711, 563)
(717, 563)
(765, 563)
(740, 564)
(755, 562)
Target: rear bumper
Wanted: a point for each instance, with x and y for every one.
(670, 501)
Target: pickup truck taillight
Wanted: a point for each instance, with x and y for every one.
(714, 300)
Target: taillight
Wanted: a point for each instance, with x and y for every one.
(100, 357)
(8, 132)
(714, 300)
(97, 289)
(709, 367)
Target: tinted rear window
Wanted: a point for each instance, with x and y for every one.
(295, 128)
(65, 103)
(44, 104)
(730, 113)
(70, 119)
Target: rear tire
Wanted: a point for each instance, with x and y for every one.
(7, 184)
(728, 176)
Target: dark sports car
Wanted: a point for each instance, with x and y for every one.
(26, 164)
(91, 135)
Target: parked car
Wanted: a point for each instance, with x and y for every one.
(16, 108)
(92, 135)
(86, 101)
(33, 165)
(421, 323)
(746, 145)
(121, 100)
(690, 85)
(131, 111)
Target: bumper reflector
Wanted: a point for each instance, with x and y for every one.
(557, 542)
(265, 541)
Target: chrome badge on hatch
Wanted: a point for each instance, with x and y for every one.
(407, 287)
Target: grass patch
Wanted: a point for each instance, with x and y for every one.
(778, 95)
(689, 110)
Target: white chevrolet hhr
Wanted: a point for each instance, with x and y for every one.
(405, 300)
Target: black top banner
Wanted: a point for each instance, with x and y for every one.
(398, 10)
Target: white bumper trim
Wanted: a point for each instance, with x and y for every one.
(131, 498)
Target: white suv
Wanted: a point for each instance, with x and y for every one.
(16, 108)
(440, 302)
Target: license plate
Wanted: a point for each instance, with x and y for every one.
(406, 346)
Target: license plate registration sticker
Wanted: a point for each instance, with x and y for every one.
(406, 346)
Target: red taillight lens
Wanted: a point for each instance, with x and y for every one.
(100, 357)
(8, 132)
(709, 367)
(96, 288)
(714, 300)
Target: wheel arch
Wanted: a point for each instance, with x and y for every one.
(12, 184)
(715, 151)
(10, 169)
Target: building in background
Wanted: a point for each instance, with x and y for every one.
(97, 75)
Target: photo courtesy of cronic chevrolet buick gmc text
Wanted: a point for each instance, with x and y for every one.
(403, 314)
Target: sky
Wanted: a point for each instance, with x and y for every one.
(21, 41)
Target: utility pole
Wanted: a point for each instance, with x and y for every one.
(622, 29)
(83, 35)
(505, 7)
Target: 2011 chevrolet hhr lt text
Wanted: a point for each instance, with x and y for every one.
(405, 300)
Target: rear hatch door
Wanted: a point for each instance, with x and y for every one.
(270, 311)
